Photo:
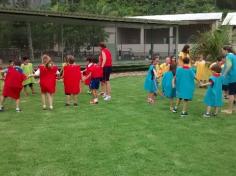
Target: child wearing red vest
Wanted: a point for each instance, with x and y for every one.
(13, 84)
(47, 73)
(95, 73)
(86, 72)
(71, 79)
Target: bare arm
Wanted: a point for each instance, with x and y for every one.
(104, 59)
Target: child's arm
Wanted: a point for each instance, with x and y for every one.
(155, 73)
(86, 77)
(173, 82)
(35, 74)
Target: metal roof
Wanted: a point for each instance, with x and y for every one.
(230, 19)
(183, 17)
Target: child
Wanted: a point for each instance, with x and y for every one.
(13, 84)
(213, 97)
(86, 72)
(47, 72)
(184, 86)
(28, 69)
(168, 87)
(150, 84)
(201, 70)
(95, 73)
(72, 77)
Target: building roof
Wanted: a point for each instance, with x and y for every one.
(184, 17)
(230, 19)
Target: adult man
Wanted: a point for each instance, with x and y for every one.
(230, 72)
(105, 61)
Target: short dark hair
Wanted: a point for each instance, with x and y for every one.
(186, 60)
(219, 58)
(102, 45)
(95, 60)
(185, 48)
(17, 62)
(216, 68)
(228, 48)
(25, 58)
(89, 59)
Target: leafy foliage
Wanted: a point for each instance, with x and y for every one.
(210, 43)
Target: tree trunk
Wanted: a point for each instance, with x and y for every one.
(30, 43)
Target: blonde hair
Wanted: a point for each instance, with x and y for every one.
(46, 60)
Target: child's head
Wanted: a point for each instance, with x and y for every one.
(46, 60)
(11, 62)
(155, 60)
(173, 59)
(227, 49)
(186, 60)
(95, 60)
(220, 59)
(17, 62)
(70, 59)
(89, 59)
(102, 45)
(25, 60)
(216, 68)
(168, 60)
(186, 49)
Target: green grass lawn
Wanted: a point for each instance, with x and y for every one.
(124, 137)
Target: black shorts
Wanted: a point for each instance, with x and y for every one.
(106, 73)
(30, 85)
(225, 87)
(94, 83)
(232, 88)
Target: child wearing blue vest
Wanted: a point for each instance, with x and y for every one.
(185, 86)
(168, 87)
(150, 84)
(213, 97)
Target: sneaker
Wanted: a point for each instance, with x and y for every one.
(107, 98)
(51, 108)
(207, 115)
(1, 109)
(175, 109)
(183, 114)
(67, 104)
(75, 104)
(18, 110)
(44, 107)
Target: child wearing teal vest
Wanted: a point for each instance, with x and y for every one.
(213, 97)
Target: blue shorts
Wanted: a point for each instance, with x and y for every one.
(94, 84)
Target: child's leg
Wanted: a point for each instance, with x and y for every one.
(25, 90)
(185, 106)
(171, 103)
(2, 99)
(32, 88)
(216, 111)
(103, 88)
(50, 100)
(18, 105)
(208, 110)
(75, 99)
(43, 96)
(68, 99)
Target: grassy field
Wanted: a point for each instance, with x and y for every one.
(124, 137)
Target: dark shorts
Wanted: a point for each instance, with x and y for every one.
(30, 85)
(94, 84)
(106, 73)
(232, 88)
(225, 87)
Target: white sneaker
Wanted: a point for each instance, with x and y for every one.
(104, 95)
(107, 98)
